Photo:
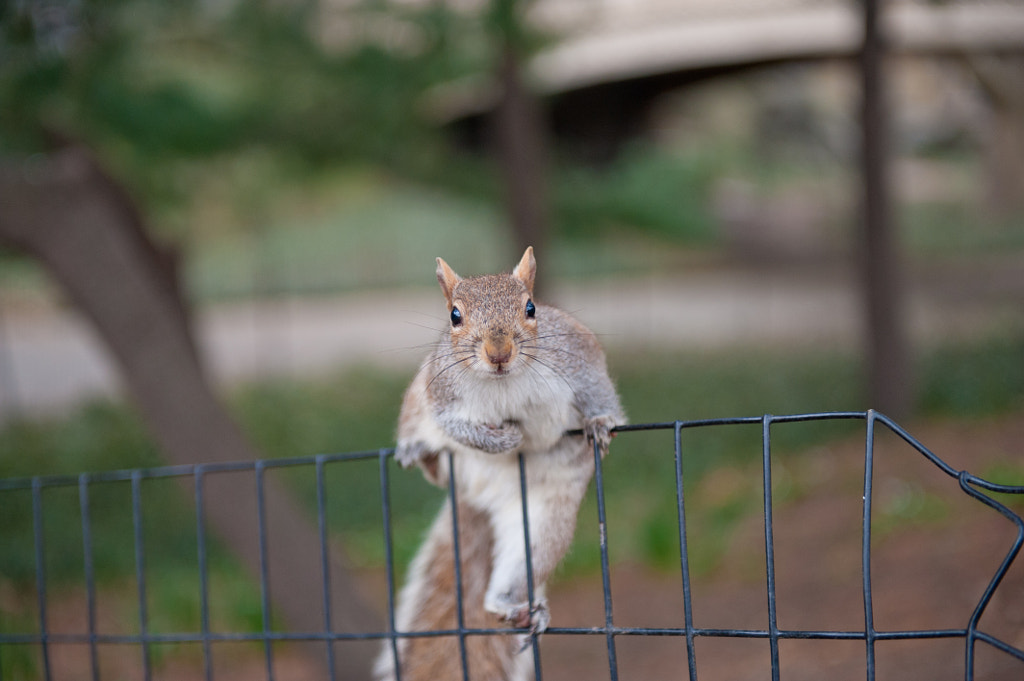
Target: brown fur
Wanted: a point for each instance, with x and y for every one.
(438, 658)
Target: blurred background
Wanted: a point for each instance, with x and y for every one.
(218, 225)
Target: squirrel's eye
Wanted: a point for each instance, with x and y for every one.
(530, 309)
(456, 316)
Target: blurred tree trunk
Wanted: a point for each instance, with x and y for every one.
(85, 230)
(890, 382)
(520, 136)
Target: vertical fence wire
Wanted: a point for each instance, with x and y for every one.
(389, 559)
(769, 544)
(533, 643)
(325, 561)
(204, 585)
(460, 616)
(90, 575)
(602, 524)
(869, 617)
(38, 536)
(684, 558)
(261, 524)
(44, 639)
(140, 573)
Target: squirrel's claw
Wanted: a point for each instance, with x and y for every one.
(539, 617)
(523, 615)
(409, 454)
(599, 429)
(502, 437)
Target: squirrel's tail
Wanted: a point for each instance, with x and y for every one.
(428, 602)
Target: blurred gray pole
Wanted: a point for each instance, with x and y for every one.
(521, 145)
(520, 135)
(889, 381)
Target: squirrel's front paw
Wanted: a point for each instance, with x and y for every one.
(599, 429)
(501, 438)
(409, 453)
(417, 453)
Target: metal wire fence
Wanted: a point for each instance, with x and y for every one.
(41, 639)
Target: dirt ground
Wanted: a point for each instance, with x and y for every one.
(934, 551)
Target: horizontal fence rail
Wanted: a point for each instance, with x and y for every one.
(32, 493)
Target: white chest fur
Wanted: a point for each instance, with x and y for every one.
(536, 398)
(542, 404)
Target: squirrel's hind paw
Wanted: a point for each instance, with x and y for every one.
(540, 617)
(522, 615)
(538, 620)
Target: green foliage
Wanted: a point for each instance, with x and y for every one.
(908, 504)
(505, 21)
(1007, 472)
(215, 78)
(61, 71)
(151, 84)
(973, 380)
(646, 189)
(958, 228)
(161, 120)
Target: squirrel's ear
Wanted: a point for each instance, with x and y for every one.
(447, 278)
(526, 270)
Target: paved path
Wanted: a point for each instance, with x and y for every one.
(50, 360)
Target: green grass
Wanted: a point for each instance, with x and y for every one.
(971, 381)
(908, 504)
(1007, 472)
(372, 233)
(356, 411)
(958, 229)
(259, 228)
(644, 191)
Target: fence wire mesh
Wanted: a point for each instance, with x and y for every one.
(30, 496)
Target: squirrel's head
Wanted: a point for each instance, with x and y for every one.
(491, 316)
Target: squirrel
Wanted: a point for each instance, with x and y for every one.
(507, 377)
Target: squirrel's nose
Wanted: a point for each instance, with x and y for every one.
(501, 358)
(498, 352)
